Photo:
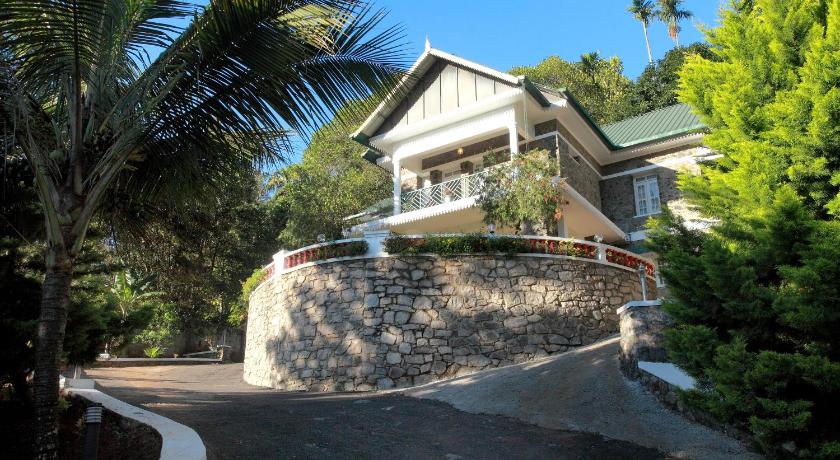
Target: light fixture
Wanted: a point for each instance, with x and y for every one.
(491, 228)
(321, 238)
(460, 150)
(598, 238)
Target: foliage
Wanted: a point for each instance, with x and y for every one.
(671, 13)
(449, 245)
(202, 254)
(644, 11)
(240, 312)
(755, 299)
(21, 276)
(132, 301)
(153, 352)
(331, 182)
(524, 194)
(657, 86)
(598, 84)
(95, 117)
(162, 327)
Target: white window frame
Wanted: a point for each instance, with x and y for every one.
(646, 195)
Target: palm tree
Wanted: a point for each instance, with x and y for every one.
(94, 114)
(644, 12)
(671, 14)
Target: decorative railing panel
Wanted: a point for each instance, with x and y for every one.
(444, 192)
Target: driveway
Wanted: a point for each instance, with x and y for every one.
(237, 420)
(584, 390)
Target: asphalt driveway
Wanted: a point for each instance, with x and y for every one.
(237, 420)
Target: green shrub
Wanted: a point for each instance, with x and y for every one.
(153, 352)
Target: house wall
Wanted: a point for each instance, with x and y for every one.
(617, 192)
(577, 172)
(401, 321)
(444, 87)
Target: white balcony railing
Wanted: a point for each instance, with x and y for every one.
(444, 192)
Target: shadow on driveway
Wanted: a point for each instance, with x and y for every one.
(236, 420)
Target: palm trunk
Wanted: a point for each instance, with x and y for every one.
(53, 319)
(647, 43)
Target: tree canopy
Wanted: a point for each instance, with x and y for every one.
(756, 299)
(331, 182)
(599, 84)
(95, 117)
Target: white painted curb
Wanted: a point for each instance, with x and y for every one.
(179, 441)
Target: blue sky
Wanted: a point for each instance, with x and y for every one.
(503, 34)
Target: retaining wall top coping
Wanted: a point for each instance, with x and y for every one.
(180, 442)
(638, 304)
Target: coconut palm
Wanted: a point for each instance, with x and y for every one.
(644, 11)
(671, 14)
(94, 114)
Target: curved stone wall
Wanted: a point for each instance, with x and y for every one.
(375, 323)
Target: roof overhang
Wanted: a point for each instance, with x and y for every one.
(423, 63)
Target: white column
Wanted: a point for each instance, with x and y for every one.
(514, 139)
(397, 185)
(562, 230)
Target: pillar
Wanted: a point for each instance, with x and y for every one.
(397, 186)
(513, 139)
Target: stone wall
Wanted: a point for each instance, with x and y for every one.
(383, 322)
(642, 325)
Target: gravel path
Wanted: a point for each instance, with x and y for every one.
(236, 420)
(583, 390)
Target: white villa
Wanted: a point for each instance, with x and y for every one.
(436, 128)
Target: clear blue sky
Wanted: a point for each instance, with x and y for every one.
(503, 34)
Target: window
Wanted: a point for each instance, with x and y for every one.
(647, 195)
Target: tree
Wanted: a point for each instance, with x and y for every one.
(755, 299)
(93, 115)
(132, 300)
(671, 13)
(332, 182)
(21, 275)
(203, 252)
(657, 86)
(644, 11)
(524, 194)
(598, 84)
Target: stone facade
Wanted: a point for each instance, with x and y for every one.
(400, 321)
(642, 329)
(619, 199)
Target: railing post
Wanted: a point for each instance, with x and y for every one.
(375, 241)
(602, 252)
(280, 262)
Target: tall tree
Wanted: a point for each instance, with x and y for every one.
(644, 11)
(671, 13)
(332, 182)
(657, 86)
(599, 84)
(756, 299)
(92, 114)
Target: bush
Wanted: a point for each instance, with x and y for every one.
(153, 352)
(481, 244)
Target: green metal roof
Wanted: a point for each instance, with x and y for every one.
(659, 124)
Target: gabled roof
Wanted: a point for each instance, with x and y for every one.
(423, 63)
(659, 124)
(656, 125)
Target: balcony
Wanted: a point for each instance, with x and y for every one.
(444, 192)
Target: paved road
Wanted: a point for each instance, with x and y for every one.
(237, 420)
(583, 390)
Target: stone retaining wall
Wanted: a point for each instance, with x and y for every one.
(375, 323)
